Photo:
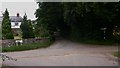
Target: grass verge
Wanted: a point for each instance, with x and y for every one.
(96, 42)
(100, 42)
(117, 54)
(27, 46)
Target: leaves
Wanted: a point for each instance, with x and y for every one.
(49, 17)
(79, 20)
(27, 28)
(6, 26)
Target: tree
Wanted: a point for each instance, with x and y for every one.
(50, 14)
(79, 20)
(86, 19)
(6, 26)
(26, 27)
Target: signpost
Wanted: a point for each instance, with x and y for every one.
(104, 31)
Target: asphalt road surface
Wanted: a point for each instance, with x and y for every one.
(65, 53)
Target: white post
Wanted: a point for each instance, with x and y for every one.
(104, 35)
(104, 32)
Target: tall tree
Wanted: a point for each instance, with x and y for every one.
(50, 14)
(6, 26)
(26, 27)
(78, 19)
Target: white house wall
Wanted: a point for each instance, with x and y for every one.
(14, 26)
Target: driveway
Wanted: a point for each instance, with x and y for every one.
(65, 53)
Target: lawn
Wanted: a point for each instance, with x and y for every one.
(17, 37)
(0, 33)
(26, 47)
(117, 54)
(97, 42)
(100, 42)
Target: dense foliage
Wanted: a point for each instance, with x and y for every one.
(6, 26)
(1, 30)
(79, 20)
(27, 29)
(50, 17)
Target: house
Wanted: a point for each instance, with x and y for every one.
(15, 25)
(1, 21)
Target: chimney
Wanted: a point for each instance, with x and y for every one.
(17, 14)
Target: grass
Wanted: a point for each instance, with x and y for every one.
(26, 47)
(17, 37)
(0, 33)
(100, 42)
(96, 42)
(117, 54)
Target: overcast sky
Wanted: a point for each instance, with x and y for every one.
(28, 6)
(20, 7)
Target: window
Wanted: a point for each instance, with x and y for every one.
(16, 24)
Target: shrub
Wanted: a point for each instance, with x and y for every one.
(26, 46)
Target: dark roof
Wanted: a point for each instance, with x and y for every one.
(13, 18)
(1, 18)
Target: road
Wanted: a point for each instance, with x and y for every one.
(65, 53)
